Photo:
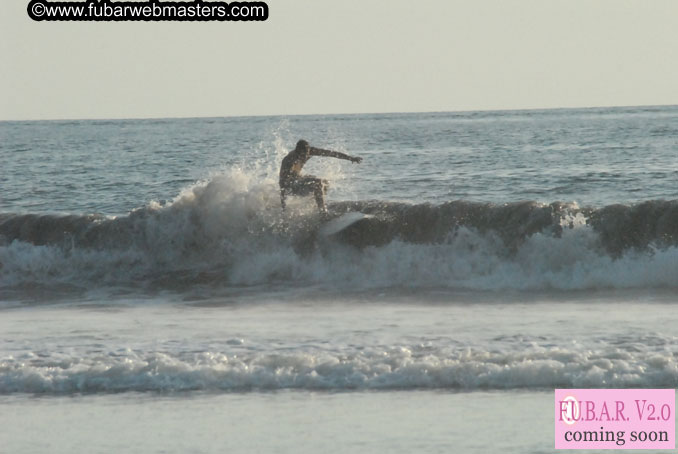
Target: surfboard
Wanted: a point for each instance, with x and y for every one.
(338, 224)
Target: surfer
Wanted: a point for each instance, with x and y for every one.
(292, 182)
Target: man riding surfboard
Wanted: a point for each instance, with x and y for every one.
(292, 182)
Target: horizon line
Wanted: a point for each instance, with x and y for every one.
(467, 111)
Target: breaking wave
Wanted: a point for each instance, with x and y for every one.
(405, 367)
(230, 231)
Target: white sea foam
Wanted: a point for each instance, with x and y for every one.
(395, 367)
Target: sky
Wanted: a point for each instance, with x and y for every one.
(344, 56)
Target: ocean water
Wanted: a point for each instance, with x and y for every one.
(154, 297)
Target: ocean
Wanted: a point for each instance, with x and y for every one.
(155, 298)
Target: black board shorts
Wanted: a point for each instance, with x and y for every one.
(302, 186)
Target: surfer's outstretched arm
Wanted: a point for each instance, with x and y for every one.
(333, 154)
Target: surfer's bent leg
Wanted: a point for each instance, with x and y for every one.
(309, 185)
(283, 196)
(319, 192)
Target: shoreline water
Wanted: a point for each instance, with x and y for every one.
(299, 422)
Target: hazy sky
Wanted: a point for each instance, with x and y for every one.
(344, 56)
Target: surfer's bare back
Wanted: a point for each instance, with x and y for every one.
(292, 182)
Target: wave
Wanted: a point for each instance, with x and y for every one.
(401, 367)
(230, 231)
